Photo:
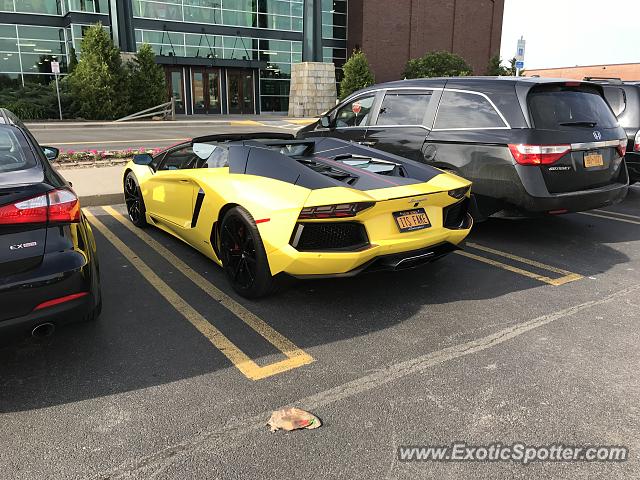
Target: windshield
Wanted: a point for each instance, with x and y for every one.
(563, 108)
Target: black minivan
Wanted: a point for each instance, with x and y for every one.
(530, 146)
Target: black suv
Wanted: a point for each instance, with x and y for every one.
(530, 145)
(48, 264)
(624, 98)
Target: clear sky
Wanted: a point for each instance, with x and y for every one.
(562, 33)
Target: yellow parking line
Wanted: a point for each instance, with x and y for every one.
(133, 142)
(566, 275)
(610, 217)
(303, 121)
(296, 357)
(611, 212)
(239, 123)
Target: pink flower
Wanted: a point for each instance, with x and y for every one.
(94, 151)
(70, 152)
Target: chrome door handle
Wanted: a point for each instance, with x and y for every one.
(367, 144)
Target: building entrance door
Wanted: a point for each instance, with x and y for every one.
(175, 84)
(240, 91)
(206, 90)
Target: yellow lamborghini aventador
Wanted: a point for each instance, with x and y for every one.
(261, 205)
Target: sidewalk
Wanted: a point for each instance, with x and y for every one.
(96, 186)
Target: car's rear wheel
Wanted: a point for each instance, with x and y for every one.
(133, 199)
(243, 256)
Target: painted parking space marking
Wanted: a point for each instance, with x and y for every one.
(295, 356)
(565, 275)
(620, 217)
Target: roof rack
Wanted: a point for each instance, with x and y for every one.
(611, 80)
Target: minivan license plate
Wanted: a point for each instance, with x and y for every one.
(593, 159)
(411, 220)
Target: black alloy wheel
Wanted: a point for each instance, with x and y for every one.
(243, 256)
(134, 201)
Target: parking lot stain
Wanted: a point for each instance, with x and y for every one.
(295, 356)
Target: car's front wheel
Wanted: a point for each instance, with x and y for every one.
(135, 202)
(243, 256)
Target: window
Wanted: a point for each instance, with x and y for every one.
(466, 110)
(178, 159)
(616, 98)
(355, 113)
(559, 107)
(12, 153)
(404, 108)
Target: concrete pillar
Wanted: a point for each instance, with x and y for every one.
(313, 89)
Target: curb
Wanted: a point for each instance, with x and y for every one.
(176, 123)
(101, 200)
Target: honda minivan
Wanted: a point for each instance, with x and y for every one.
(531, 146)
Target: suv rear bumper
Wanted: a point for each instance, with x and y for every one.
(532, 196)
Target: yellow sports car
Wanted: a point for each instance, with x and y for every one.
(262, 205)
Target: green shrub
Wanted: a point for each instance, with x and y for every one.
(147, 81)
(98, 84)
(357, 74)
(437, 64)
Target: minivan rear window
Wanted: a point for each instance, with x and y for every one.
(15, 154)
(559, 107)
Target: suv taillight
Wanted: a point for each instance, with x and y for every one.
(538, 154)
(56, 206)
(636, 142)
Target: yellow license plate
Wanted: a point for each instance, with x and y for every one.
(411, 220)
(593, 160)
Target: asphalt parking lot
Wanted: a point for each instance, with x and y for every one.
(530, 334)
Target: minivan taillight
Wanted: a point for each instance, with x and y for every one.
(57, 206)
(636, 142)
(538, 154)
(622, 147)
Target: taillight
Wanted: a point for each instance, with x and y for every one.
(622, 148)
(636, 142)
(64, 207)
(32, 210)
(57, 206)
(335, 211)
(538, 154)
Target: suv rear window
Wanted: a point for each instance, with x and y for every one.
(559, 107)
(15, 154)
(616, 98)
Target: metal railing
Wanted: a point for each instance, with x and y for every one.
(166, 110)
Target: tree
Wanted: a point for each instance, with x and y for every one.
(437, 64)
(357, 74)
(98, 83)
(148, 87)
(495, 68)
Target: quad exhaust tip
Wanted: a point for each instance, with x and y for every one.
(43, 330)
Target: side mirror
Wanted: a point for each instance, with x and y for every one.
(142, 159)
(325, 122)
(51, 153)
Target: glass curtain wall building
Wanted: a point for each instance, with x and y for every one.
(220, 56)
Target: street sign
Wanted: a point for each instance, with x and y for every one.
(55, 67)
(520, 50)
(519, 64)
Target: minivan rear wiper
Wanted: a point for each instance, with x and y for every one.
(579, 124)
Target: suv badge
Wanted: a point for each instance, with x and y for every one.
(597, 135)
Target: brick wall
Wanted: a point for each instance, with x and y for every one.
(392, 32)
